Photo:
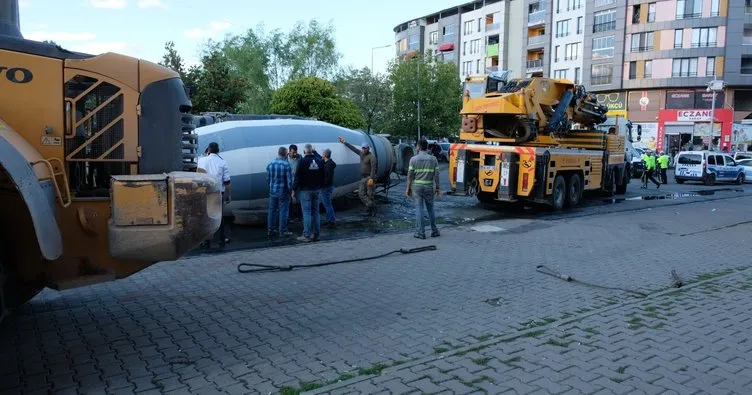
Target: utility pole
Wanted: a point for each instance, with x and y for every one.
(714, 86)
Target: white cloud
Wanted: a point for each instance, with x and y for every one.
(212, 30)
(151, 4)
(60, 36)
(108, 3)
(24, 4)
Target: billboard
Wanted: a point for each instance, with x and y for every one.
(644, 101)
(680, 99)
(649, 137)
(615, 101)
(705, 99)
(741, 134)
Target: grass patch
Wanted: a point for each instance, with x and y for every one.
(650, 308)
(484, 337)
(683, 368)
(440, 350)
(534, 333)
(304, 386)
(553, 342)
(480, 361)
(621, 369)
(657, 326)
(712, 275)
(591, 330)
(582, 310)
(375, 369)
(474, 349)
(617, 380)
(566, 315)
(512, 361)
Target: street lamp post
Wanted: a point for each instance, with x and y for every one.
(714, 86)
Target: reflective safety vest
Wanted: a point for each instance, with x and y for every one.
(663, 161)
(650, 162)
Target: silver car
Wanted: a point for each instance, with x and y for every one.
(746, 165)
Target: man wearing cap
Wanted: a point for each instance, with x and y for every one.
(215, 166)
(368, 174)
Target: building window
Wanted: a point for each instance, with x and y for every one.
(651, 12)
(577, 73)
(479, 24)
(642, 42)
(477, 66)
(464, 48)
(710, 67)
(636, 13)
(467, 67)
(468, 28)
(684, 67)
(561, 74)
(632, 70)
(574, 4)
(562, 28)
(688, 9)
(678, 38)
(580, 24)
(572, 51)
(448, 55)
(704, 37)
(414, 42)
(746, 68)
(715, 7)
(648, 68)
(604, 21)
(448, 31)
(557, 51)
(603, 47)
(475, 46)
(599, 3)
(433, 37)
(601, 74)
(402, 45)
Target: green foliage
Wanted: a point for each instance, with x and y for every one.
(435, 86)
(172, 59)
(370, 93)
(218, 87)
(316, 97)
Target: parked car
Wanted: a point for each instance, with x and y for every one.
(746, 165)
(743, 155)
(708, 167)
(636, 167)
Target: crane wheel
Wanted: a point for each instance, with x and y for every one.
(486, 197)
(622, 189)
(559, 195)
(574, 191)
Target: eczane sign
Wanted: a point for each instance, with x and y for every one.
(693, 115)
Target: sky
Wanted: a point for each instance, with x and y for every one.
(140, 28)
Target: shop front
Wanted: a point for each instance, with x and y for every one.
(680, 130)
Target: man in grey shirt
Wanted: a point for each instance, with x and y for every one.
(422, 185)
(296, 211)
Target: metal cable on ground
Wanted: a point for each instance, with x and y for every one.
(259, 268)
(547, 271)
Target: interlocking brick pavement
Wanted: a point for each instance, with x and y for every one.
(687, 341)
(197, 325)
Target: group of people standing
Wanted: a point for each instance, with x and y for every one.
(655, 164)
(304, 182)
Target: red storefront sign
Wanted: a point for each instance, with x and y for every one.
(723, 116)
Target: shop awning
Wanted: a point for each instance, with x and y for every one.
(446, 47)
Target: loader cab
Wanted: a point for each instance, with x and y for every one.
(478, 85)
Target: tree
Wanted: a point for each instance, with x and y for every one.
(312, 50)
(316, 97)
(218, 88)
(372, 94)
(172, 60)
(433, 84)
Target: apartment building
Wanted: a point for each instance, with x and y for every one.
(474, 36)
(647, 60)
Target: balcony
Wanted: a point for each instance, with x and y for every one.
(492, 50)
(705, 44)
(678, 45)
(684, 74)
(534, 65)
(688, 16)
(536, 40)
(604, 27)
(746, 70)
(536, 18)
(645, 48)
(748, 9)
(493, 27)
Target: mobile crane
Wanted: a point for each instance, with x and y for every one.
(534, 140)
(97, 167)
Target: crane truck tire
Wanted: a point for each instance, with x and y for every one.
(574, 191)
(622, 188)
(559, 195)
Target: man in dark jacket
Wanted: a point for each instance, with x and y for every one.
(309, 179)
(328, 189)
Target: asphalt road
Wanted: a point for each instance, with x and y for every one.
(472, 316)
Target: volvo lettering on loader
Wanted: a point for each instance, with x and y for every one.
(535, 140)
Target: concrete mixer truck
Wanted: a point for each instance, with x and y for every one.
(97, 167)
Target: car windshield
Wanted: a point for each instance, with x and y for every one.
(445, 146)
(691, 159)
(744, 162)
(476, 89)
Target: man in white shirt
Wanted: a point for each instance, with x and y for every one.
(214, 165)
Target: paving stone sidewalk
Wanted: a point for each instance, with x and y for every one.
(199, 326)
(693, 340)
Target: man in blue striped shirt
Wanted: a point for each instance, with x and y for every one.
(279, 177)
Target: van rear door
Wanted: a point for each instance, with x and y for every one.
(689, 165)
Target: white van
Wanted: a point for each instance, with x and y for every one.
(708, 167)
